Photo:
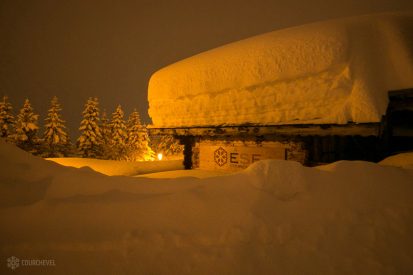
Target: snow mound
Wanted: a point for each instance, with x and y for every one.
(329, 72)
(403, 160)
(121, 168)
(195, 173)
(277, 217)
(270, 176)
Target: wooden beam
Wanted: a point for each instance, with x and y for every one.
(350, 129)
(188, 142)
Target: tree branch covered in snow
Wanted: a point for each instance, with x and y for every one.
(55, 138)
(89, 143)
(26, 128)
(6, 118)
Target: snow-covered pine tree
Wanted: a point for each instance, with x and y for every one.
(118, 135)
(6, 119)
(134, 141)
(138, 139)
(106, 136)
(149, 154)
(26, 129)
(168, 146)
(55, 138)
(89, 143)
(105, 127)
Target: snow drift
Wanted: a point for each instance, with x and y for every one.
(276, 217)
(121, 168)
(403, 160)
(329, 72)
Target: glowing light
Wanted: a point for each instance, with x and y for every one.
(160, 156)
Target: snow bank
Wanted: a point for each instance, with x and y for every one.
(403, 160)
(121, 168)
(276, 217)
(328, 72)
(196, 173)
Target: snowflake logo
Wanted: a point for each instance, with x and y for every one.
(13, 262)
(220, 156)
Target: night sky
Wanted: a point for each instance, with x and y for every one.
(109, 49)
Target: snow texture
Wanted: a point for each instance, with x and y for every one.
(276, 217)
(403, 160)
(121, 168)
(329, 72)
(195, 173)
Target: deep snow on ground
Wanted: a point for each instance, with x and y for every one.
(403, 160)
(329, 72)
(276, 217)
(196, 173)
(121, 168)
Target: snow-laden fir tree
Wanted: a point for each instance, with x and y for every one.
(138, 139)
(55, 139)
(168, 146)
(105, 127)
(89, 143)
(6, 119)
(106, 136)
(149, 154)
(118, 135)
(26, 128)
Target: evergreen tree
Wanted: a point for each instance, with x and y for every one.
(89, 143)
(118, 135)
(138, 139)
(149, 154)
(168, 146)
(55, 137)
(6, 119)
(26, 129)
(106, 136)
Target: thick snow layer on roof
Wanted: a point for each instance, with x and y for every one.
(328, 72)
(276, 217)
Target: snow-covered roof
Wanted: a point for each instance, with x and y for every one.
(329, 72)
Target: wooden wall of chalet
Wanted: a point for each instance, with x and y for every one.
(307, 143)
(235, 155)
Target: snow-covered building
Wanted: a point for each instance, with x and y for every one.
(314, 93)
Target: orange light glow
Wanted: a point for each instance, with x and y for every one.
(160, 156)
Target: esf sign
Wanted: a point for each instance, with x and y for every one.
(236, 157)
(222, 157)
(243, 158)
